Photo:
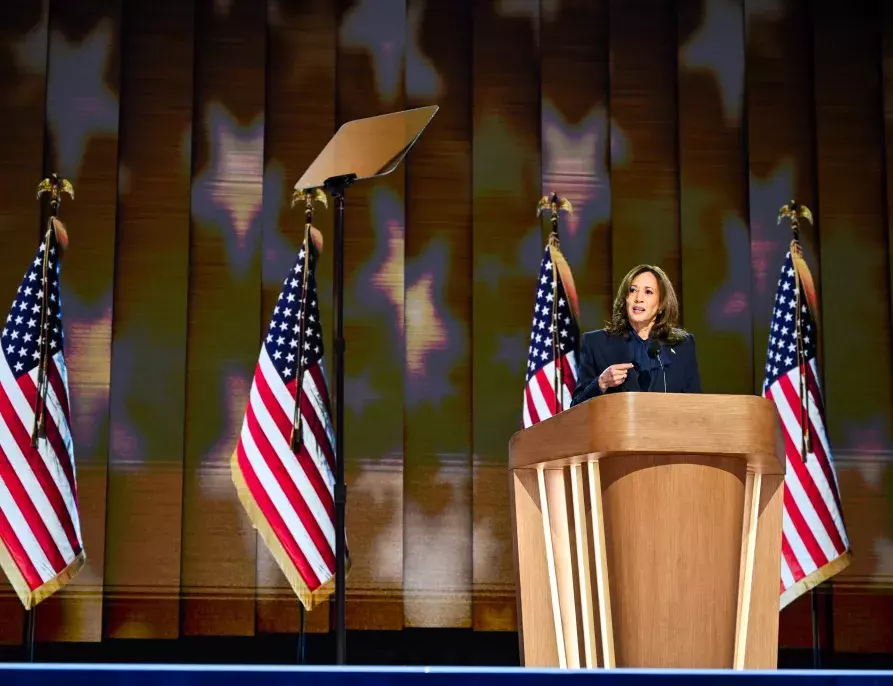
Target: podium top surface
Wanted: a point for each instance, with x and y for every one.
(742, 426)
(368, 147)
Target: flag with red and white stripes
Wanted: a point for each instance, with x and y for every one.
(286, 482)
(814, 541)
(41, 547)
(552, 353)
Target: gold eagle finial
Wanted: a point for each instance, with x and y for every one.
(555, 203)
(55, 186)
(794, 211)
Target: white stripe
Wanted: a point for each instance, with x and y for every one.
(536, 392)
(801, 554)
(819, 475)
(24, 534)
(526, 413)
(792, 480)
(35, 493)
(51, 459)
(319, 457)
(295, 471)
(287, 403)
(318, 406)
(566, 396)
(23, 470)
(277, 388)
(283, 506)
(787, 576)
(571, 358)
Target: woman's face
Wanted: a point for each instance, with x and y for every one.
(643, 300)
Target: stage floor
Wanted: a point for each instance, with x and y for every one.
(14, 674)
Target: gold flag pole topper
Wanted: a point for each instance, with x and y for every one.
(803, 285)
(556, 205)
(56, 187)
(309, 198)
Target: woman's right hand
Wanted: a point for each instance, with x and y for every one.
(613, 376)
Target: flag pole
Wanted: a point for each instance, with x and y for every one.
(56, 187)
(555, 204)
(309, 197)
(794, 212)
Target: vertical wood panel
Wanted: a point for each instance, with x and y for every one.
(781, 152)
(852, 222)
(713, 193)
(437, 535)
(781, 158)
(224, 320)
(853, 228)
(576, 145)
(23, 29)
(148, 347)
(82, 123)
(370, 81)
(508, 245)
(299, 120)
(644, 167)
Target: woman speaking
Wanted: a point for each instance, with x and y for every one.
(642, 349)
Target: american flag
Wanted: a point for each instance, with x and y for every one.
(287, 488)
(814, 539)
(552, 355)
(41, 547)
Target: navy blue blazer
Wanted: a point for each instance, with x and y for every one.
(599, 350)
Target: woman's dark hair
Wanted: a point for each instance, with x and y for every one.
(666, 327)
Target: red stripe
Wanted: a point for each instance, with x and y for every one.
(20, 495)
(803, 475)
(806, 534)
(531, 407)
(17, 552)
(29, 512)
(791, 559)
(824, 461)
(59, 388)
(283, 423)
(29, 390)
(271, 514)
(314, 421)
(38, 467)
(568, 375)
(320, 379)
(292, 495)
(546, 390)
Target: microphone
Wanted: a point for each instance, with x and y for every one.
(654, 352)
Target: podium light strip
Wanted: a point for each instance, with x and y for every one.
(550, 561)
(582, 537)
(601, 566)
(747, 581)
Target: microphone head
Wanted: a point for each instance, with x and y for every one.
(653, 348)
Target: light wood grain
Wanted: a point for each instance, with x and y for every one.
(671, 558)
(739, 426)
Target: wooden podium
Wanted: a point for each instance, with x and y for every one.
(647, 533)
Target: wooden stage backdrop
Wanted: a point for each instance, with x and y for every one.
(677, 130)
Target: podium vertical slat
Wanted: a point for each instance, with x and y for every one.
(603, 589)
(550, 561)
(581, 536)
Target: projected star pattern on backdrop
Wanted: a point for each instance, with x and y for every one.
(389, 290)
